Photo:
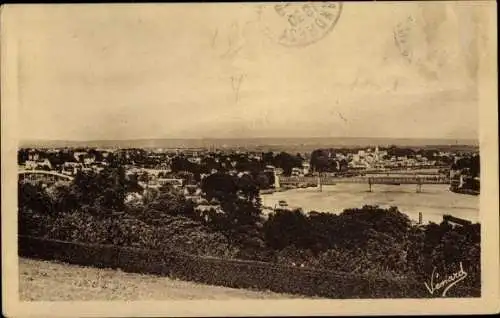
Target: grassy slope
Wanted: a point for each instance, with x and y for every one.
(50, 281)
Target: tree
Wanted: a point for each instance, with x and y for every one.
(264, 180)
(64, 198)
(208, 164)
(220, 186)
(22, 155)
(248, 188)
(104, 191)
(239, 222)
(475, 165)
(344, 165)
(287, 162)
(320, 160)
(132, 182)
(268, 158)
(248, 165)
(96, 154)
(168, 201)
(285, 228)
(143, 177)
(34, 197)
(240, 208)
(181, 163)
(400, 151)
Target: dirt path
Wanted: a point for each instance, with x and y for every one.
(51, 281)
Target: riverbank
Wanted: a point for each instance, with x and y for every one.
(433, 202)
(465, 191)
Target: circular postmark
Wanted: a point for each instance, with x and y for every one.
(299, 24)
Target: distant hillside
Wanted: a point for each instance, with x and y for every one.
(275, 144)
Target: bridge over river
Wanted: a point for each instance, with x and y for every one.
(372, 180)
(47, 177)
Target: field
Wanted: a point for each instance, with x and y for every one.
(434, 201)
(51, 281)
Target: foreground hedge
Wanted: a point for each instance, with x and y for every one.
(229, 273)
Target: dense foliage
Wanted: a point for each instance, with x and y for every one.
(324, 160)
(368, 240)
(469, 168)
(92, 209)
(373, 240)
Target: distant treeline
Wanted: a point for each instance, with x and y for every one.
(303, 144)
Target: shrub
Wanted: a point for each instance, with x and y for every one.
(175, 233)
(373, 241)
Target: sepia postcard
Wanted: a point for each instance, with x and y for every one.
(249, 159)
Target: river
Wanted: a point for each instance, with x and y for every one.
(434, 201)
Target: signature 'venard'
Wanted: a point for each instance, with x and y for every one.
(447, 282)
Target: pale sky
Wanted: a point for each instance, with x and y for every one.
(161, 71)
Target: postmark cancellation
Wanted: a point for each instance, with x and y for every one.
(299, 24)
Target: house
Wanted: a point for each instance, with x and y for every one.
(71, 168)
(170, 181)
(88, 160)
(38, 164)
(357, 165)
(132, 196)
(340, 156)
(132, 171)
(77, 155)
(30, 165)
(33, 156)
(203, 209)
(296, 172)
(156, 172)
(196, 160)
(194, 198)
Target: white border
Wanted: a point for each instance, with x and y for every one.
(489, 215)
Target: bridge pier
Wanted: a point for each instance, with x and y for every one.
(369, 184)
(419, 185)
(277, 183)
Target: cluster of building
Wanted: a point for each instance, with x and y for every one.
(79, 161)
(380, 159)
(154, 167)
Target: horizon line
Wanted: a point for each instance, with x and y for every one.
(235, 138)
